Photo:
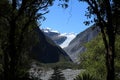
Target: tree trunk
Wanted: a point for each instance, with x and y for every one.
(6, 68)
(12, 49)
(111, 43)
(110, 54)
(110, 64)
(109, 38)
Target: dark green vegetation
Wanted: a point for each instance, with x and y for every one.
(93, 60)
(15, 29)
(57, 74)
(77, 47)
(18, 22)
(106, 15)
(61, 64)
(85, 76)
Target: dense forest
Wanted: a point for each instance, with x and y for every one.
(93, 60)
(19, 20)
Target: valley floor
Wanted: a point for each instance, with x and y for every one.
(69, 74)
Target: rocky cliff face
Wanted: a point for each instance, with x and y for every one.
(61, 39)
(54, 35)
(46, 50)
(76, 46)
(72, 44)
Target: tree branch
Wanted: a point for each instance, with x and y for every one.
(14, 3)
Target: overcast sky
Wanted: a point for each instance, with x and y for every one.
(66, 20)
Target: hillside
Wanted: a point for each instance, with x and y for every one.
(47, 51)
(76, 46)
(93, 59)
(61, 39)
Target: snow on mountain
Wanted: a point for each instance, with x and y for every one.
(70, 37)
(76, 46)
(50, 30)
(60, 39)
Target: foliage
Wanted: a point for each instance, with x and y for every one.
(18, 20)
(117, 58)
(67, 65)
(93, 60)
(106, 15)
(57, 75)
(85, 76)
(61, 65)
(95, 6)
(64, 3)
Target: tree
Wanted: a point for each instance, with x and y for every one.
(57, 75)
(84, 76)
(16, 16)
(104, 10)
(93, 60)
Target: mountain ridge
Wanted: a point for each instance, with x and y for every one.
(61, 39)
(46, 51)
(76, 46)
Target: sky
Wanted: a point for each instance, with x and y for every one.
(68, 20)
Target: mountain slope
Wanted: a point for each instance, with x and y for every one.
(60, 39)
(76, 46)
(54, 35)
(69, 38)
(46, 50)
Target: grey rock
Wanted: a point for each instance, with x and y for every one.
(41, 73)
(46, 51)
(76, 46)
(54, 35)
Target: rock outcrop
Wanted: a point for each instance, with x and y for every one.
(76, 46)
